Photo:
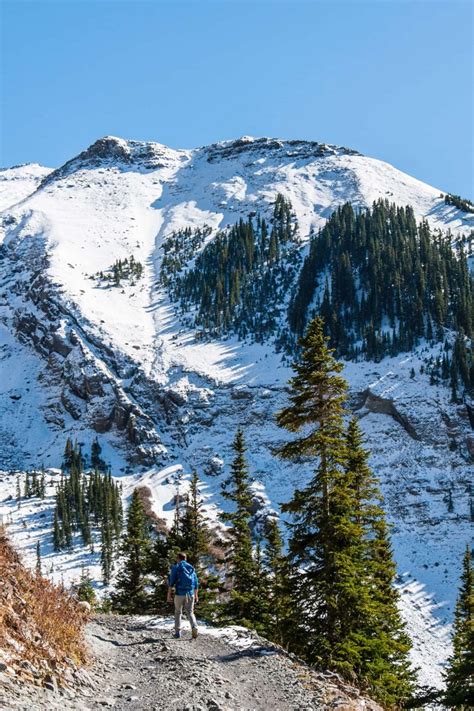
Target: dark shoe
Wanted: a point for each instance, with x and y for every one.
(194, 632)
(177, 635)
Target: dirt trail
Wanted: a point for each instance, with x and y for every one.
(140, 667)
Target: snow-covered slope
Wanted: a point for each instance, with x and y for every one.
(20, 181)
(79, 357)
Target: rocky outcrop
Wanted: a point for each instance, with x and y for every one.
(110, 150)
(367, 401)
(251, 147)
(89, 392)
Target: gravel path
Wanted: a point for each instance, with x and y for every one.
(140, 667)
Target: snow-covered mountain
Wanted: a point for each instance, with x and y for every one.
(80, 358)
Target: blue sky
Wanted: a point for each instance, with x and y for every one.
(391, 78)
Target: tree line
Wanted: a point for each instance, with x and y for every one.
(380, 281)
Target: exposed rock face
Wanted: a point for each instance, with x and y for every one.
(367, 401)
(75, 363)
(251, 146)
(110, 150)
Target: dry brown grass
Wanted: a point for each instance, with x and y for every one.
(39, 622)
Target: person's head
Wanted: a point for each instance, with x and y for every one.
(181, 556)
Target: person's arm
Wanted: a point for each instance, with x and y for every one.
(171, 583)
(196, 587)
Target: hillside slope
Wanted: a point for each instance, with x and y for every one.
(117, 361)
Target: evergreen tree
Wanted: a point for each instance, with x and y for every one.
(196, 538)
(27, 491)
(161, 560)
(85, 589)
(38, 559)
(68, 455)
(236, 489)
(460, 671)
(259, 593)
(377, 646)
(42, 484)
(96, 450)
(34, 484)
(316, 409)
(280, 622)
(338, 542)
(194, 529)
(131, 595)
(106, 551)
(176, 533)
(57, 537)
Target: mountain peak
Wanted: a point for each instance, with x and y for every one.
(295, 148)
(113, 151)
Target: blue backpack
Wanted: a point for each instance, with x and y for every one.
(185, 576)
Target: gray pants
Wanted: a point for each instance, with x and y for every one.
(185, 602)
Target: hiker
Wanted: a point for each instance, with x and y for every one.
(184, 580)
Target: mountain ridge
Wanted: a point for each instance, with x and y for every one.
(117, 362)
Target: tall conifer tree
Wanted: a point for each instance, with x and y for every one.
(375, 645)
(237, 490)
(280, 614)
(194, 529)
(460, 671)
(315, 411)
(131, 594)
(338, 537)
(38, 559)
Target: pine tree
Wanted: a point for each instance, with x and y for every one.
(377, 645)
(318, 394)
(236, 489)
(460, 671)
(42, 484)
(160, 562)
(34, 484)
(176, 533)
(38, 559)
(85, 589)
(106, 551)
(96, 450)
(280, 621)
(194, 529)
(131, 595)
(68, 454)
(338, 540)
(18, 490)
(27, 491)
(195, 539)
(259, 594)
